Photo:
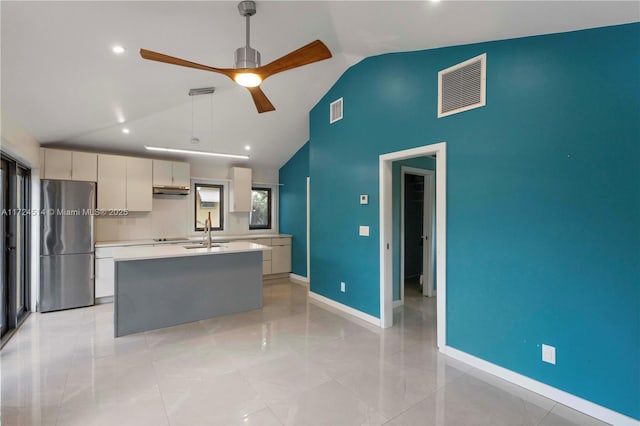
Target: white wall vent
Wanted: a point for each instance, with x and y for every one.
(335, 111)
(463, 86)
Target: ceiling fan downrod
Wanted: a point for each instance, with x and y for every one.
(247, 57)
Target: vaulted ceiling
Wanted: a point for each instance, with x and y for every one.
(61, 82)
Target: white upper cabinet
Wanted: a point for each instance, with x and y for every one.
(69, 165)
(162, 173)
(124, 183)
(139, 184)
(171, 173)
(84, 166)
(57, 164)
(240, 197)
(181, 173)
(112, 182)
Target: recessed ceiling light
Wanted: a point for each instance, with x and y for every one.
(125, 131)
(118, 49)
(247, 148)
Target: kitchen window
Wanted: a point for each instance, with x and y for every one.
(209, 198)
(260, 214)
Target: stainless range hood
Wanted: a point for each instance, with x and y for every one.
(171, 190)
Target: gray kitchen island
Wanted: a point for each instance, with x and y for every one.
(158, 287)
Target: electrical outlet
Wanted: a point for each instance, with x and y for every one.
(343, 287)
(549, 354)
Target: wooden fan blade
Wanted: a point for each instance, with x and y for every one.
(260, 99)
(160, 57)
(312, 52)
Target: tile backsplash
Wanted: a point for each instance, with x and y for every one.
(169, 218)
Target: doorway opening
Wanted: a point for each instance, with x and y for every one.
(387, 252)
(417, 227)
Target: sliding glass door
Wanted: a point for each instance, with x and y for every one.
(14, 244)
(4, 219)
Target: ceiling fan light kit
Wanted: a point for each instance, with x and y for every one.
(248, 72)
(248, 79)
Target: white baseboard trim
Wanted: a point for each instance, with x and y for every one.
(299, 279)
(103, 300)
(397, 303)
(344, 308)
(565, 398)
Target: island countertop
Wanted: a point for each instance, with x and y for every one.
(185, 240)
(168, 251)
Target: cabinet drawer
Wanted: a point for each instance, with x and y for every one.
(263, 241)
(281, 241)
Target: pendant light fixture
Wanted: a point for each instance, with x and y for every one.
(195, 140)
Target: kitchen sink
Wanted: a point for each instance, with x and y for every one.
(196, 246)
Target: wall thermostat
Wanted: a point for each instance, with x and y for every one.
(364, 199)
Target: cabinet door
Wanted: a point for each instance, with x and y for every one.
(162, 173)
(280, 259)
(139, 184)
(84, 166)
(57, 164)
(181, 174)
(104, 277)
(266, 267)
(112, 182)
(240, 189)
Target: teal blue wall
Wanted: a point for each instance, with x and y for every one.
(543, 199)
(293, 207)
(396, 188)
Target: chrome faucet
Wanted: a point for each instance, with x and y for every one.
(207, 230)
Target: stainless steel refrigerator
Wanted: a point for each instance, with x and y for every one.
(66, 244)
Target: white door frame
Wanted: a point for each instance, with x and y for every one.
(386, 232)
(428, 204)
(308, 232)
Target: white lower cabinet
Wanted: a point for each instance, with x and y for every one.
(280, 255)
(278, 259)
(104, 277)
(105, 271)
(266, 261)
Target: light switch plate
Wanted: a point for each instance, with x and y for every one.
(549, 354)
(364, 231)
(364, 199)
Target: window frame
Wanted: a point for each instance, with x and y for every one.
(269, 224)
(195, 205)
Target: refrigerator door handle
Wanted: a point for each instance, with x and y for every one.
(93, 269)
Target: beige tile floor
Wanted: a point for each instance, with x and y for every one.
(291, 363)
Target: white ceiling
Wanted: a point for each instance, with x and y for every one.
(61, 82)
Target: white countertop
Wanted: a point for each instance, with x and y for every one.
(171, 250)
(214, 238)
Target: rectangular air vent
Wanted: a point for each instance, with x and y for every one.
(462, 87)
(335, 111)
